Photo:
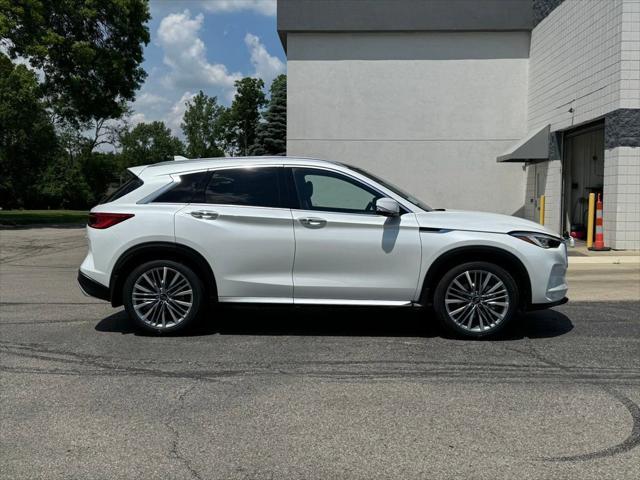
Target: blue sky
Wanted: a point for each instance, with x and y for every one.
(205, 45)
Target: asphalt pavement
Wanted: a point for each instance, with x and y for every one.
(307, 393)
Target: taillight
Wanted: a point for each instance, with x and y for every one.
(105, 220)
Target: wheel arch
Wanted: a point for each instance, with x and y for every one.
(144, 252)
(457, 256)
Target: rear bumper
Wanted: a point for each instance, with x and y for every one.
(542, 306)
(91, 288)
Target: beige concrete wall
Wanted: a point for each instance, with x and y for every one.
(429, 111)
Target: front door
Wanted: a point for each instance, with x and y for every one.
(345, 252)
(245, 233)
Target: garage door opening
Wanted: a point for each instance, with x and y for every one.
(583, 173)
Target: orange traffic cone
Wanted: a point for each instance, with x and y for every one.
(598, 245)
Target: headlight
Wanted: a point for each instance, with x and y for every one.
(540, 239)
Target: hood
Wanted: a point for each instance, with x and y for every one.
(479, 222)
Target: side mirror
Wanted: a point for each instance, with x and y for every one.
(387, 207)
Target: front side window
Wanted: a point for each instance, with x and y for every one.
(257, 187)
(330, 191)
(397, 190)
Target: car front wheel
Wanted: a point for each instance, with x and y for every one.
(476, 299)
(163, 296)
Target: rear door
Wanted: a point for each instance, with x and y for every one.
(238, 222)
(345, 252)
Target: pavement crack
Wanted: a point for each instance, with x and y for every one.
(175, 432)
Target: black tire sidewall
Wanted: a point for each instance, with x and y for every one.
(441, 289)
(196, 285)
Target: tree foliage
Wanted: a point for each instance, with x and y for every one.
(149, 143)
(68, 72)
(240, 121)
(271, 137)
(27, 137)
(89, 51)
(202, 127)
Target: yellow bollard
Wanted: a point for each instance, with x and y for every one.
(590, 215)
(541, 209)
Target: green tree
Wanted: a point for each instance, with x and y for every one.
(201, 126)
(271, 138)
(76, 177)
(100, 170)
(63, 184)
(89, 51)
(240, 123)
(149, 143)
(27, 136)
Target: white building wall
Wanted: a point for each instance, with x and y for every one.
(585, 63)
(622, 198)
(630, 55)
(576, 63)
(429, 111)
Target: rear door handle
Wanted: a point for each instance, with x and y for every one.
(313, 222)
(205, 214)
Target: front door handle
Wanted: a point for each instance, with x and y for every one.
(205, 214)
(313, 222)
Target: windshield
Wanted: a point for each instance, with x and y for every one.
(397, 190)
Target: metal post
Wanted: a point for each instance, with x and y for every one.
(591, 214)
(541, 209)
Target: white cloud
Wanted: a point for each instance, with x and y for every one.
(266, 66)
(263, 7)
(186, 54)
(146, 100)
(137, 118)
(174, 117)
(187, 70)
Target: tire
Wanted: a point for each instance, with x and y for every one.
(476, 299)
(169, 296)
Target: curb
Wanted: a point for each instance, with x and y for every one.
(26, 226)
(609, 259)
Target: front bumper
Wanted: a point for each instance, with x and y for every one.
(542, 306)
(91, 288)
(547, 270)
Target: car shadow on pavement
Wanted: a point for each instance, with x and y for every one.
(340, 321)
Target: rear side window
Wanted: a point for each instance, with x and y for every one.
(127, 187)
(256, 187)
(190, 189)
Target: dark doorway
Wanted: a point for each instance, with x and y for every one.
(583, 173)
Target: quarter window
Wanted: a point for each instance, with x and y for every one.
(129, 186)
(256, 187)
(333, 192)
(190, 189)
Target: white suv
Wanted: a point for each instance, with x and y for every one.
(181, 235)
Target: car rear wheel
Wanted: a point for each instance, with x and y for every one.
(163, 296)
(476, 299)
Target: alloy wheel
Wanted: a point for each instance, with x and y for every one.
(162, 297)
(477, 300)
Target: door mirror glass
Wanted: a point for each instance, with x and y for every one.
(387, 207)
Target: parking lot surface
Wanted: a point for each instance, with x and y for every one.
(310, 393)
